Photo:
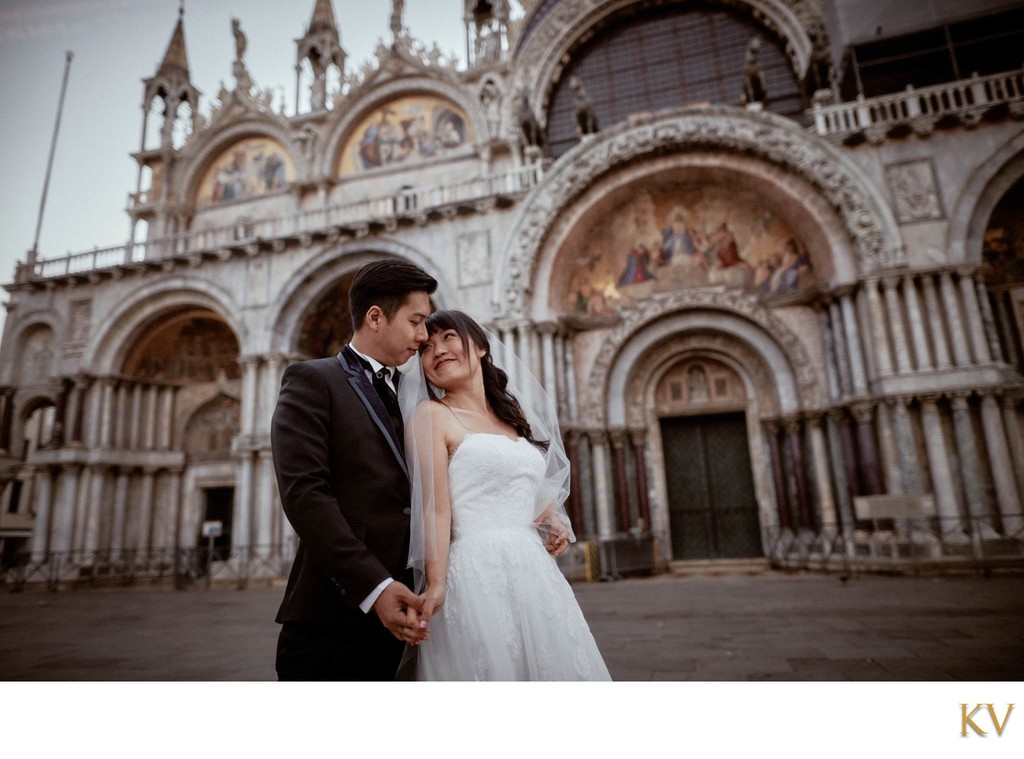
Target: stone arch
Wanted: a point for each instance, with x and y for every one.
(318, 275)
(25, 370)
(865, 219)
(739, 319)
(371, 98)
(108, 348)
(552, 32)
(193, 170)
(986, 187)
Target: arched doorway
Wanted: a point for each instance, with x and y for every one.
(712, 504)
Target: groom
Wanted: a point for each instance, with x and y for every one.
(337, 442)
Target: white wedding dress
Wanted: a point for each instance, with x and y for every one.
(509, 614)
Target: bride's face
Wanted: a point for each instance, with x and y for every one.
(446, 363)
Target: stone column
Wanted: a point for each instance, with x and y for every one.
(1007, 494)
(107, 405)
(119, 523)
(508, 337)
(970, 463)
(899, 331)
(987, 317)
(250, 367)
(870, 471)
(906, 446)
(241, 535)
(265, 502)
(561, 391)
(135, 418)
(97, 513)
(152, 417)
(1015, 436)
(853, 344)
(64, 512)
(60, 416)
(879, 328)
(772, 429)
(831, 367)
(835, 318)
(976, 326)
(44, 507)
(796, 452)
(144, 537)
(939, 465)
(574, 504)
(935, 321)
(618, 442)
(570, 382)
(922, 351)
(822, 476)
(91, 433)
(838, 468)
(76, 411)
(957, 332)
(271, 385)
(525, 355)
(888, 458)
(165, 419)
(602, 496)
(81, 509)
(639, 439)
(547, 348)
(1006, 321)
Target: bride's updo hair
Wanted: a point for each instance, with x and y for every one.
(502, 402)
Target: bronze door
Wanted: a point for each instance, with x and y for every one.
(712, 508)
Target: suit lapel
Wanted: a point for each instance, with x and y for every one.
(374, 405)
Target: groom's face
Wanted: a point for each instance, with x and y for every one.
(399, 338)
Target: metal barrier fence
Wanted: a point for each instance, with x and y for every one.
(927, 544)
(183, 567)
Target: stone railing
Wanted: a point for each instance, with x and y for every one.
(920, 109)
(416, 204)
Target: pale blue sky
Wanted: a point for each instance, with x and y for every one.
(116, 44)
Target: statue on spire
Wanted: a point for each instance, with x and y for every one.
(240, 41)
(397, 6)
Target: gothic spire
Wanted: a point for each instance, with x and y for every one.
(323, 18)
(176, 59)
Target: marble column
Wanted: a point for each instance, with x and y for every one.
(784, 513)
(940, 339)
(919, 335)
(174, 499)
(508, 338)
(602, 494)
(6, 419)
(271, 386)
(869, 465)
(831, 366)
(888, 457)
(570, 382)
(547, 348)
(1006, 321)
(970, 462)
(617, 438)
(241, 534)
(525, 354)
(82, 501)
(76, 411)
(906, 446)
(152, 417)
(955, 320)
(822, 477)
(94, 415)
(119, 522)
(165, 419)
(835, 318)
(109, 394)
(853, 344)
(43, 509)
(265, 502)
(975, 323)
(879, 328)
(1014, 436)
(1007, 495)
(561, 391)
(987, 317)
(144, 537)
(250, 368)
(64, 511)
(939, 465)
(135, 418)
(796, 451)
(894, 309)
(639, 439)
(97, 512)
(838, 468)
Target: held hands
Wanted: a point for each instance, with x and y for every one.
(399, 610)
(555, 534)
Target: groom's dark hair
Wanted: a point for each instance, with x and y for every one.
(386, 284)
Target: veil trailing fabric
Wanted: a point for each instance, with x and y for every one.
(540, 413)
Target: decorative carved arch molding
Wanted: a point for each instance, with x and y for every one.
(545, 51)
(108, 348)
(192, 170)
(862, 213)
(27, 326)
(371, 98)
(314, 279)
(986, 187)
(645, 375)
(745, 325)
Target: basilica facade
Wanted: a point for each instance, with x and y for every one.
(768, 261)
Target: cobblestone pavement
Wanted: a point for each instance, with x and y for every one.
(732, 627)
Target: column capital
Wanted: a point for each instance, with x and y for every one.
(638, 436)
(1011, 397)
(930, 399)
(844, 291)
(863, 411)
(898, 402)
(546, 327)
(792, 423)
(573, 436)
(814, 417)
(618, 436)
(959, 399)
(597, 437)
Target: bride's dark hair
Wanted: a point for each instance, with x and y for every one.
(502, 402)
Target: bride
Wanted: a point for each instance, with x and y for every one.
(489, 478)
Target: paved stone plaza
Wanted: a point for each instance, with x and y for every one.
(758, 626)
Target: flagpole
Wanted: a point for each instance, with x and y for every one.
(49, 164)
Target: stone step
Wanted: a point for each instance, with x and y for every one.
(711, 567)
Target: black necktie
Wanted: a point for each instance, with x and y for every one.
(390, 400)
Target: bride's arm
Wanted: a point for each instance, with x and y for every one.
(554, 532)
(437, 564)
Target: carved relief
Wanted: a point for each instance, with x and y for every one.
(914, 191)
(473, 251)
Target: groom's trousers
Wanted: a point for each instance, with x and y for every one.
(327, 652)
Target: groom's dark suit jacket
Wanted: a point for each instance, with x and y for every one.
(345, 489)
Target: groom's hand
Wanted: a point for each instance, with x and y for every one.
(556, 537)
(398, 610)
